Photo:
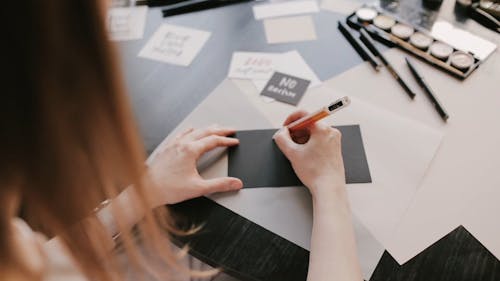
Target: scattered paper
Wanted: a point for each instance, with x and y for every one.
(291, 29)
(271, 208)
(175, 44)
(344, 7)
(284, 9)
(126, 23)
(249, 65)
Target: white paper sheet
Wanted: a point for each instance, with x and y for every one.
(292, 63)
(289, 29)
(126, 23)
(253, 65)
(345, 7)
(461, 185)
(288, 8)
(271, 208)
(175, 44)
(399, 151)
(462, 39)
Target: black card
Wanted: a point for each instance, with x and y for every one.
(258, 162)
(285, 88)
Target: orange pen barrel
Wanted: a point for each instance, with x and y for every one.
(308, 120)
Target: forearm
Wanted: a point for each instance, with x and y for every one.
(130, 210)
(333, 246)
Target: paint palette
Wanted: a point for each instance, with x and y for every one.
(393, 31)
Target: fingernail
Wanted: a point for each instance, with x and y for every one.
(235, 185)
(277, 132)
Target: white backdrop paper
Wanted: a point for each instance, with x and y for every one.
(399, 151)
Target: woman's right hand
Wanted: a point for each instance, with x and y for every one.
(315, 154)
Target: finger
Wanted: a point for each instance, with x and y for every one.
(295, 116)
(211, 130)
(220, 185)
(183, 133)
(208, 143)
(321, 130)
(285, 142)
(300, 136)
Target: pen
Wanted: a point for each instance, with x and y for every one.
(199, 6)
(158, 3)
(367, 39)
(428, 91)
(362, 50)
(307, 120)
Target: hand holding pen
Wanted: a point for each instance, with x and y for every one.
(315, 154)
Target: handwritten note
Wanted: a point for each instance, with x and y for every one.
(175, 44)
(126, 23)
(248, 65)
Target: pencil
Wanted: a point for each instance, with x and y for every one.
(367, 39)
(434, 100)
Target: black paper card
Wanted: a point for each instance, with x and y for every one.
(285, 88)
(258, 162)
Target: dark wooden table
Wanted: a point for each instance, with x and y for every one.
(162, 95)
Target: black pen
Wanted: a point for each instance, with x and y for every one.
(158, 3)
(199, 6)
(428, 91)
(367, 39)
(362, 50)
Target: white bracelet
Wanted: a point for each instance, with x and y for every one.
(106, 218)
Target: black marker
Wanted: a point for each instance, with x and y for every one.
(428, 91)
(195, 6)
(367, 39)
(362, 50)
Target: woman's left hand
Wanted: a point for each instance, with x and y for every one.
(174, 171)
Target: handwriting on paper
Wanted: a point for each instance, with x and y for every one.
(251, 65)
(126, 23)
(175, 44)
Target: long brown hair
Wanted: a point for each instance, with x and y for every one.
(68, 140)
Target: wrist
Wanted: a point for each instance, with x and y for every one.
(327, 185)
(331, 192)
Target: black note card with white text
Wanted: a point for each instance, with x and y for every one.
(285, 88)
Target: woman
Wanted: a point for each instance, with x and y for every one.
(70, 152)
